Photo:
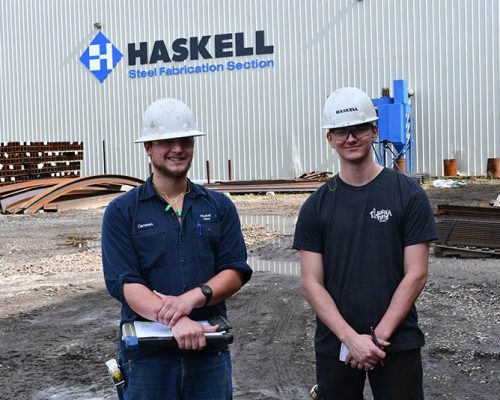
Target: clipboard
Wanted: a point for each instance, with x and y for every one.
(146, 334)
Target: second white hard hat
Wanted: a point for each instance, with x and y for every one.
(168, 119)
(347, 107)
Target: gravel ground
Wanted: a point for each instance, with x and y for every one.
(58, 324)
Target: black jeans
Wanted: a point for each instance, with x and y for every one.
(399, 379)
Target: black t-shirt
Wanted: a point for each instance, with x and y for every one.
(362, 231)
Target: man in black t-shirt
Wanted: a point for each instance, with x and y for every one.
(364, 242)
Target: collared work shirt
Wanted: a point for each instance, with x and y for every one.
(143, 243)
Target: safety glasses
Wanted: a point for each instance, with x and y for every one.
(357, 131)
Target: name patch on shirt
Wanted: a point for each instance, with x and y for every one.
(145, 225)
(205, 216)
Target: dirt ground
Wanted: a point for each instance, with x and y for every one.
(58, 325)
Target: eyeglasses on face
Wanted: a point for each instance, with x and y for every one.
(357, 131)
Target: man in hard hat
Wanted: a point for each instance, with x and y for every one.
(364, 242)
(172, 252)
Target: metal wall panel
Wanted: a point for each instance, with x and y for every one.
(266, 121)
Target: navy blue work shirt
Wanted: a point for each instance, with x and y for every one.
(143, 243)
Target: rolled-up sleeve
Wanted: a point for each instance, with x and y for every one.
(232, 253)
(119, 258)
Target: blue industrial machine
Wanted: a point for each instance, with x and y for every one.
(395, 128)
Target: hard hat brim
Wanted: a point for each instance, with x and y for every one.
(350, 123)
(166, 136)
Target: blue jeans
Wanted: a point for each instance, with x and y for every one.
(162, 377)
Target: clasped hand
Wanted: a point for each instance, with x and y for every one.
(173, 312)
(190, 335)
(173, 308)
(364, 354)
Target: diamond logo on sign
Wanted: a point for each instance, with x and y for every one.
(101, 57)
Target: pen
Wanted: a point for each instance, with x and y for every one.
(375, 341)
(374, 337)
(198, 225)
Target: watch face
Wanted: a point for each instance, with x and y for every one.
(206, 290)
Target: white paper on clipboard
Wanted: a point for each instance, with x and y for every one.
(145, 329)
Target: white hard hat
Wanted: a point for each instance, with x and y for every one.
(168, 119)
(347, 107)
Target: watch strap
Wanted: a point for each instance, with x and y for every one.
(207, 292)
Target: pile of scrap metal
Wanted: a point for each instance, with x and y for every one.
(265, 186)
(316, 176)
(308, 182)
(61, 194)
(468, 231)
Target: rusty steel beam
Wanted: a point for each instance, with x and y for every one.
(481, 234)
(17, 194)
(28, 185)
(15, 200)
(467, 252)
(51, 194)
(282, 186)
(446, 211)
(82, 203)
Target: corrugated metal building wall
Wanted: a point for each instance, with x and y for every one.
(266, 120)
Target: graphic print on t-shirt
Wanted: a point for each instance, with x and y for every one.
(381, 215)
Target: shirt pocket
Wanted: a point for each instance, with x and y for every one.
(208, 238)
(151, 249)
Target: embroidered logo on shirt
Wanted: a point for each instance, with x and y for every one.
(146, 225)
(381, 215)
(205, 216)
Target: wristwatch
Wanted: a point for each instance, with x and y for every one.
(207, 292)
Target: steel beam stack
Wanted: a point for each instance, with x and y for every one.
(466, 231)
(24, 161)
